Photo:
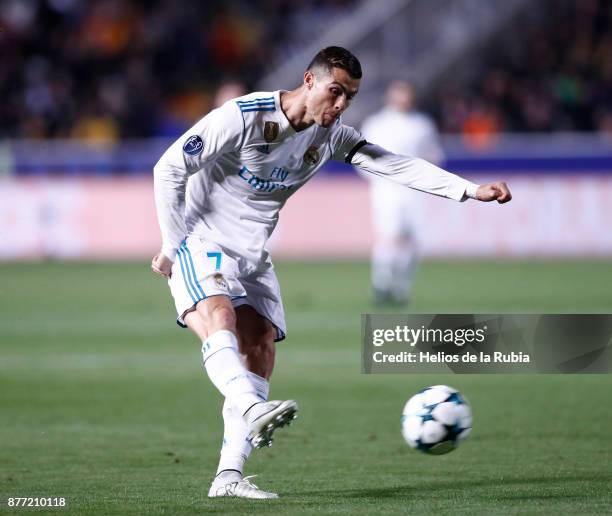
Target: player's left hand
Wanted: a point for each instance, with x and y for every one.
(161, 265)
(497, 191)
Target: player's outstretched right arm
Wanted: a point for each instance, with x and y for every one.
(217, 133)
(421, 175)
(350, 146)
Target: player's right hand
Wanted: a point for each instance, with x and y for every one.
(497, 191)
(161, 265)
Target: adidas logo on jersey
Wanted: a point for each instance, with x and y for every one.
(264, 149)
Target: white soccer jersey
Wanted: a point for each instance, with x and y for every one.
(226, 179)
(410, 134)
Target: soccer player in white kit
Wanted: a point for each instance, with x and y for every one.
(218, 192)
(395, 210)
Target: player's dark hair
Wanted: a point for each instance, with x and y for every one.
(336, 57)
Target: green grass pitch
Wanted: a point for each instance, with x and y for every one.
(103, 400)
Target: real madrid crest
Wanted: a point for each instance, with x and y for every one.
(270, 131)
(220, 281)
(311, 156)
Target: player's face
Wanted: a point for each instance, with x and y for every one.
(329, 95)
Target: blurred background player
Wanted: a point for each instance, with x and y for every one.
(395, 210)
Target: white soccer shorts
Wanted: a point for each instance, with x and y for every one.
(203, 269)
(396, 210)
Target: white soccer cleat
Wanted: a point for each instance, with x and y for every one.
(266, 417)
(236, 486)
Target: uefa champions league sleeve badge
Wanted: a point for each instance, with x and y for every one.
(194, 145)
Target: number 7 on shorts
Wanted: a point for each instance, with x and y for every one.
(217, 256)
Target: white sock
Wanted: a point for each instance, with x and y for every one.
(227, 372)
(382, 268)
(236, 449)
(403, 268)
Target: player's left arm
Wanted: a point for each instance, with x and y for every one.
(220, 131)
(413, 172)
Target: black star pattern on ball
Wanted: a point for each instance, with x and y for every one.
(456, 398)
(427, 417)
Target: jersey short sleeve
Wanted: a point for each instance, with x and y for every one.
(345, 142)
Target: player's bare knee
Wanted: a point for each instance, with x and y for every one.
(224, 316)
(217, 313)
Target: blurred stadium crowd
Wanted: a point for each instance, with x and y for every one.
(109, 69)
(135, 68)
(551, 70)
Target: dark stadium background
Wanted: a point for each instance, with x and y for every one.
(103, 400)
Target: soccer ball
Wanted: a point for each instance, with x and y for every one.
(436, 420)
